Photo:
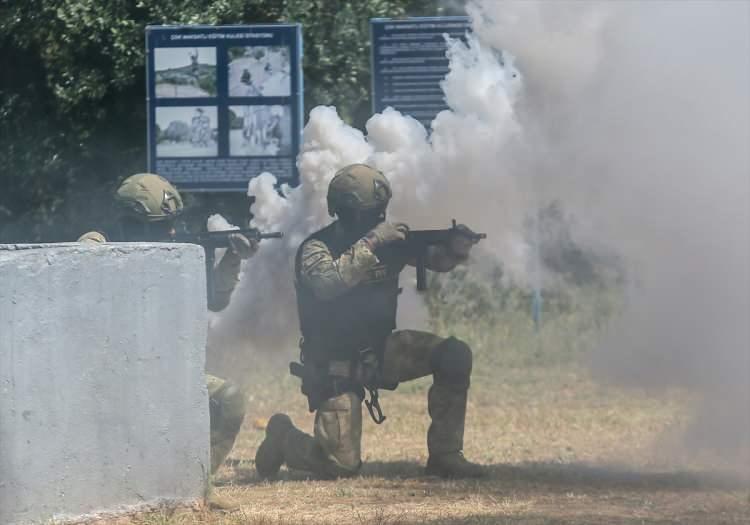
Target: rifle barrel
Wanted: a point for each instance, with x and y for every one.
(248, 231)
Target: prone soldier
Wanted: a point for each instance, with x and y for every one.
(346, 278)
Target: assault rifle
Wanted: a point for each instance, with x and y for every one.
(219, 239)
(420, 240)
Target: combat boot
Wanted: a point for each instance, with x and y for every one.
(270, 454)
(445, 438)
(454, 465)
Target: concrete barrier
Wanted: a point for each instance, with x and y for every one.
(103, 402)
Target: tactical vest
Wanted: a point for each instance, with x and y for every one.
(339, 328)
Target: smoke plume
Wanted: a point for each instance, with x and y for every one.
(639, 116)
(472, 140)
(634, 116)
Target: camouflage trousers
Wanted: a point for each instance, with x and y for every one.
(227, 410)
(334, 449)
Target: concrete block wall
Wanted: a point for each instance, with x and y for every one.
(103, 402)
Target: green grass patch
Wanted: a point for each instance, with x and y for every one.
(496, 319)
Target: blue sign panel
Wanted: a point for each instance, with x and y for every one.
(408, 62)
(224, 104)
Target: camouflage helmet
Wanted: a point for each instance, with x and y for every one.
(358, 187)
(150, 197)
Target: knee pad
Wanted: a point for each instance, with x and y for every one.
(227, 408)
(451, 362)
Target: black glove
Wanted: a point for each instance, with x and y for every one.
(386, 233)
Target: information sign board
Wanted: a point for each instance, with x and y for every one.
(224, 104)
(408, 62)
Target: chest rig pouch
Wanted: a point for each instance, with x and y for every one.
(361, 375)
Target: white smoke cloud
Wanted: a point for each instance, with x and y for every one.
(261, 320)
(466, 149)
(634, 115)
(638, 115)
(559, 43)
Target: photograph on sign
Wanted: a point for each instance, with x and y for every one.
(185, 72)
(260, 131)
(186, 131)
(259, 71)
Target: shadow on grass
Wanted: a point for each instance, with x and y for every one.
(245, 474)
(564, 476)
(548, 476)
(550, 518)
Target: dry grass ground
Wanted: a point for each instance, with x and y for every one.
(562, 450)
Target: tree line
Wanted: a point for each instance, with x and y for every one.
(72, 96)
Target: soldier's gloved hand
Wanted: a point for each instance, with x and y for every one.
(386, 233)
(241, 246)
(461, 242)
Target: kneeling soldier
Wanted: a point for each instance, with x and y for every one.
(347, 293)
